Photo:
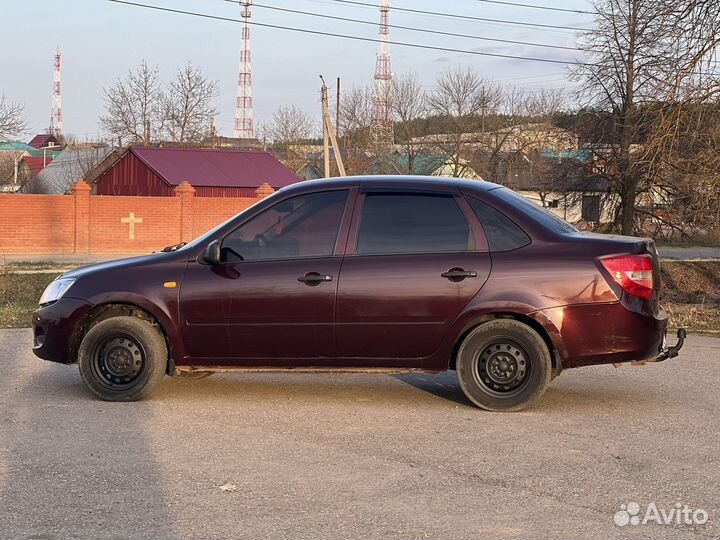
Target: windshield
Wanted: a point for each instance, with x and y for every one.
(537, 212)
(203, 238)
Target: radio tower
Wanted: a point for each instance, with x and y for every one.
(244, 128)
(382, 114)
(56, 115)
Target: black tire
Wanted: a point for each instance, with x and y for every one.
(503, 365)
(191, 375)
(122, 358)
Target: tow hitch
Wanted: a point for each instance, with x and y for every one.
(672, 352)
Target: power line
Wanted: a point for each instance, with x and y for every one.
(346, 36)
(466, 17)
(410, 28)
(535, 6)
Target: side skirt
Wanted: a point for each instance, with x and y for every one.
(240, 369)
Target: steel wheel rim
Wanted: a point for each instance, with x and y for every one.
(119, 362)
(502, 367)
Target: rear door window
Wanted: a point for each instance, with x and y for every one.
(412, 223)
(502, 233)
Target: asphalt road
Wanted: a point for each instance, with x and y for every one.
(356, 456)
(687, 253)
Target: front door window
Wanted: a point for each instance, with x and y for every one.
(301, 227)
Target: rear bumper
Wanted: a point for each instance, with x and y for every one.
(592, 334)
(54, 328)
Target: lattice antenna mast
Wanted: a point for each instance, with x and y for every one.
(382, 111)
(56, 115)
(244, 127)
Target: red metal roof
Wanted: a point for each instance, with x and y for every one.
(216, 168)
(35, 164)
(41, 141)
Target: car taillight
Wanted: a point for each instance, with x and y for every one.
(634, 273)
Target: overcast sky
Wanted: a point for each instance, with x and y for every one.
(101, 41)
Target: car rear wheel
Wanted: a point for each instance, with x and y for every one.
(503, 365)
(122, 358)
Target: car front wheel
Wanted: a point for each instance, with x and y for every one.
(122, 358)
(503, 365)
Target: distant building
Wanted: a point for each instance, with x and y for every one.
(36, 165)
(563, 183)
(68, 167)
(44, 140)
(525, 137)
(310, 171)
(20, 163)
(152, 171)
(424, 165)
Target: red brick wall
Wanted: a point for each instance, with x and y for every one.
(37, 223)
(85, 223)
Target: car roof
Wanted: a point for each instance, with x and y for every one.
(390, 181)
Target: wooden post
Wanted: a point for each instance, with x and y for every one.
(328, 131)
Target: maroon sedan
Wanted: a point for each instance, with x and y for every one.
(366, 274)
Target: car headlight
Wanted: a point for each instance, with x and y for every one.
(55, 290)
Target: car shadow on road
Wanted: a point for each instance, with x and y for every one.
(75, 465)
(560, 395)
(577, 393)
(443, 385)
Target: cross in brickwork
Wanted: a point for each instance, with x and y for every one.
(131, 220)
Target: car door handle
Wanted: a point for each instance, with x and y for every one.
(313, 278)
(458, 274)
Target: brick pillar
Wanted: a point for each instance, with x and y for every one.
(264, 191)
(186, 193)
(81, 192)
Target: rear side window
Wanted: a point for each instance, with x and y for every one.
(412, 223)
(502, 234)
(535, 211)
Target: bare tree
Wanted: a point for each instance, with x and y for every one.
(649, 61)
(356, 118)
(133, 107)
(409, 106)
(522, 129)
(464, 100)
(187, 107)
(12, 120)
(288, 128)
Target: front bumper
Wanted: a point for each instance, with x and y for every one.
(54, 329)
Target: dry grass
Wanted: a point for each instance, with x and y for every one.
(694, 317)
(691, 294)
(19, 295)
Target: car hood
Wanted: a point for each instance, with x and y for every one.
(131, 262)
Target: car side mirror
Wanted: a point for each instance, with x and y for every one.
(211, 255)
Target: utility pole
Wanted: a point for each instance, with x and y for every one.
(329, 133)
(326, 145)
(337, 106)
